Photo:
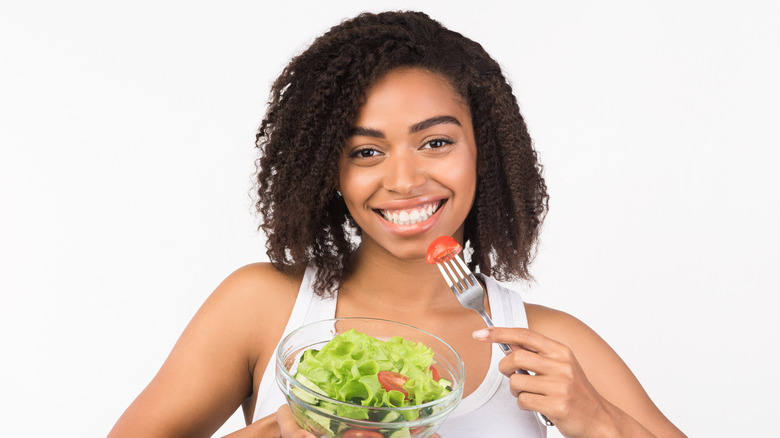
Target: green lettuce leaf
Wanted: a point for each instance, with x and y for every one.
(346, 369)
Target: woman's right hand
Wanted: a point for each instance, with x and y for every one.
(288, 427)
(282, 424)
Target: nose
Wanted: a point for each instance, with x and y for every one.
(404, 173)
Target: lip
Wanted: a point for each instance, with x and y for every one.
(412, 229)
(405, 204)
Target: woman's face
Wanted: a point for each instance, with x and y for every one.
(408, 171)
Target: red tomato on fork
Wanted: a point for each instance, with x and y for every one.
(392, 381)
(442, 249)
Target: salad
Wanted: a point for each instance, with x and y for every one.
(364, 371)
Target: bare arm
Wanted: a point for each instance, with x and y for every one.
(210, 370)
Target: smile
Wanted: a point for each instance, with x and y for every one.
(412, 215)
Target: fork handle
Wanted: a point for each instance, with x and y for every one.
(507, 349)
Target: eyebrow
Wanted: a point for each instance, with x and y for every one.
(433, 121)
(417, 127)
(366, 132)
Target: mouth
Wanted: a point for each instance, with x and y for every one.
(410, 216)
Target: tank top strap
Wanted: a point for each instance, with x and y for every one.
(511, 304)
(319, 308)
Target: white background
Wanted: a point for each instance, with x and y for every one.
(127, 150)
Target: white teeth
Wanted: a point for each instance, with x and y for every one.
(410, 216)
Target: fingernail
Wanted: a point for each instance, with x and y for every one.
(480, 334)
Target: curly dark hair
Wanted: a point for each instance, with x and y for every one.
(312, 108)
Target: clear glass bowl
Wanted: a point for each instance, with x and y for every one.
(316, 413)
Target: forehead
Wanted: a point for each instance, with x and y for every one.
(408, 96)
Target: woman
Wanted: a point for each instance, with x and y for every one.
(386, 133)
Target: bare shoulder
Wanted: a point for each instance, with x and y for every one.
(593, 353)
(254, 293)
(587, 345)
(561, 327)
(258, 282)
(259, 274)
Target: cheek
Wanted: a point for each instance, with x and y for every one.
(464, 176)
(355, 186)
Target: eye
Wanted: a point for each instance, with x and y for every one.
(364, 153)
(437, 143)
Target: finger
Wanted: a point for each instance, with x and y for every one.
(288, 427)
(525, 360)
(535, 402)
(523, 337)
(519, 383)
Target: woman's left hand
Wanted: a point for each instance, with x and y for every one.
(558, 387)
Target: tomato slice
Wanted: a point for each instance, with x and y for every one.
(415, 430)
(357, 433)
(435, 372)
(392, 381)
(442, 249)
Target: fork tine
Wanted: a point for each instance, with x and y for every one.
(452, 268)
(462, 272)
(465, 270)
(444, 274)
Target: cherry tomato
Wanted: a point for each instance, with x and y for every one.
(415, 430)
(435, 372)
(357, 433)
(392, 381)
(443, 248)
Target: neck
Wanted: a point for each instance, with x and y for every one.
(396, 284)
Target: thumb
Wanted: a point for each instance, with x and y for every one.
(288, 427)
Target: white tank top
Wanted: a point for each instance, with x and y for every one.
(488, 411)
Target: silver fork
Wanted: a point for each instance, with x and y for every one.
(471, 295)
